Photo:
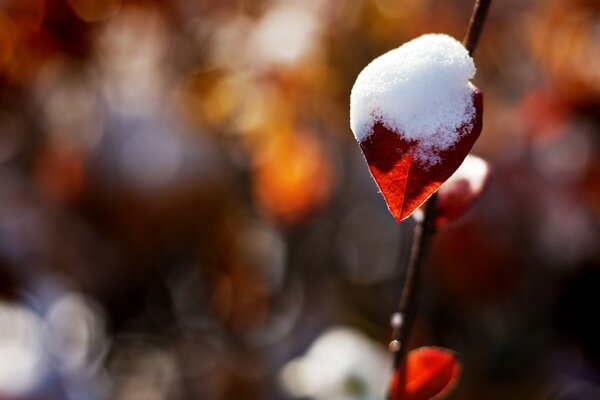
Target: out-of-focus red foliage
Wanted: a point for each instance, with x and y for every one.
(429, 373)
(558, 25)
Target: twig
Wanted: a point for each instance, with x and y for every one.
(475, 25)
(403, 320)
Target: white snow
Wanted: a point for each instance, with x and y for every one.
(474, 171)
(420, 90)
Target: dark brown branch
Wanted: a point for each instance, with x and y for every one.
(407, 308)
(475, 25)
(402, 321)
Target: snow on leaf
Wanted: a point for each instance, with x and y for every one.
(416, 116)
(458, 194)
(404, 181)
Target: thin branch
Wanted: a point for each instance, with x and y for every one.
(406, 310)
(403, 320)
(475, 25)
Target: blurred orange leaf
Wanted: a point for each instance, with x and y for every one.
(293, 178)
(95, 10)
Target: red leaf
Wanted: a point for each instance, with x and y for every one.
(458, 194)
(430, 373)
(405, 183)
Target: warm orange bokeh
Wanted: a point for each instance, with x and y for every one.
(293, 177)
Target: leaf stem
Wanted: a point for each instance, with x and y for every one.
(403, 319)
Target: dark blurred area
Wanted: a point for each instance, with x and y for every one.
(185, 214)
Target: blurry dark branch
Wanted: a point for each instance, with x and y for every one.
(402, 322)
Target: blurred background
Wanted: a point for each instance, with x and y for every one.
(185, 214)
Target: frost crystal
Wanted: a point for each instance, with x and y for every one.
(420, 90)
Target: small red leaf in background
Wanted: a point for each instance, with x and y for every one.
(406, 183)
(431, 373)
(458, 194)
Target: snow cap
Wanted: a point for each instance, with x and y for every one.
(420, 90)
